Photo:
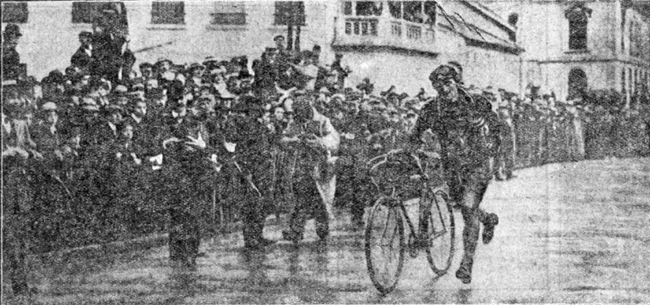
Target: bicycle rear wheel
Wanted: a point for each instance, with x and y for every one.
(441, 229)
(385, 245)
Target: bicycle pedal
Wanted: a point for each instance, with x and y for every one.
(413, 251)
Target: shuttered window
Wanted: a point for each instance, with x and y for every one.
(229, 13)
(288, 10)
(168, 12)
(86, 12)
(14, 12)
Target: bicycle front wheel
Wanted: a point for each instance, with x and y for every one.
(385, 245)
(441, 235)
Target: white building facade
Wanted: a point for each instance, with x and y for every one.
(572, 45)
(390, 42)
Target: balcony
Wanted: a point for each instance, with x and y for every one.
(383, 31)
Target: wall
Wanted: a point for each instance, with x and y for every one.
(50, 39)
(599, 76)
(543, 31)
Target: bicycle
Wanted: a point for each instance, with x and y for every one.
(385, 244)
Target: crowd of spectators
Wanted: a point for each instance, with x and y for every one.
(112, 142)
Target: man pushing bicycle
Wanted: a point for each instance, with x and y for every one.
(468, 136)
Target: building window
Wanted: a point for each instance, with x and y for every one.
(577, 83)
(395, 8)
(369, 8)
(86, 12)
(347, 8)
(430, 12)
(578, 16)
(229, 13)
(168, 12)
(413, 11)
(286, 11)
(14, 12)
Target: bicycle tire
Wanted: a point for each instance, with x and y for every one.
(441, 232)
(378, 224)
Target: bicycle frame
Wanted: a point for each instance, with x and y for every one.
(425, 192)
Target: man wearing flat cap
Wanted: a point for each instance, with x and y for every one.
(315, 141)
(266, 75)
(46, 132)
(197, 74)
(467, 141)
(146, 72)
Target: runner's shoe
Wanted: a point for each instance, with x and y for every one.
(464, 273)
(490, 223)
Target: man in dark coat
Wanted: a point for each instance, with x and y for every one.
(253, 149)
(266, 75)
(83, 57)
(10, 57)
(467, 140)
(112, 58)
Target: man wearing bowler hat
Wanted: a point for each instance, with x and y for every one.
(10, 57)
(83, 57)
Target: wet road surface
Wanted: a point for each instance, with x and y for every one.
(573, 232)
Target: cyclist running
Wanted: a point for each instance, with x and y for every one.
(467, 133)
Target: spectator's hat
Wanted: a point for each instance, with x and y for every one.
(138, 87)
(49, 106)
(339, 97)
(196, 66)
(207, 100)
(444, 72)
(12, 29)
(137, 96)
(114, 109)
(89, 104)
(145, 65)
(270, 50)
(210, 60)
(205, 85)
(225, 95)
(181, 78)
(86, 34)
(366, 86)
(120, 90)
(72, 70)
(338, 55)
(162, 60)
(54, 77)
(244, 74)
(219, 70)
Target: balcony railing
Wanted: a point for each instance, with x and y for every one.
(386, 31)
(413, 32)
(361, 26)
(396, 28)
